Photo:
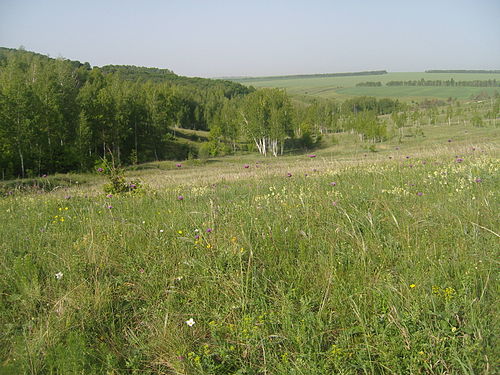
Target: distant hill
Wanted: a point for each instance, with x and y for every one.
(144, 74)
(156, 75)
(463, 71)
(322, 75)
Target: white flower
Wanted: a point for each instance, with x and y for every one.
(59, 275)
(190, 322)
(161, 230)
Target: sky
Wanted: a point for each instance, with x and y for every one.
(218, 38)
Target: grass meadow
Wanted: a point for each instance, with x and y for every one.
(341, 262)
(342, 87)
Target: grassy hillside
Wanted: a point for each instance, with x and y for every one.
(347, 262)
(341, 87)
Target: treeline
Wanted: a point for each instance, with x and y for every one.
(463, 71)
(369, 84)
(323, 75)
(450, 83)
(423, 82)
(60, 115)
(267, 121)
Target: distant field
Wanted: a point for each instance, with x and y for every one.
(337, 87)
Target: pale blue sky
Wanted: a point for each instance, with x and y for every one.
(252, 38)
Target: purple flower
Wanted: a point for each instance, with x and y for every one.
(100, 170)
(209, 230)
(180, 197)
(197, 237)
(449, 140)
(110, 207)
(407, 157)
(178, 165)
(312, 156)
(289, 174)
(333, 183)
(67, 197)
(246, 166)
(459, 160)
(133, 186)
(109, 196)
(44, 175)
(478, 180)
(334, 203)
(420, 194)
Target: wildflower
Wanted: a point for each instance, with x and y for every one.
(59, 275)
(161, 230)
(289, 174)
(197, 237)
(246, 166)
(100, 170)
(449, 140)
(110, 207)
(209, 230)
(141, 270)
(109, 196)
(420, 193)
(312, 156)
(478, 180)
(178, 165)
(459, 160)
(209, 246)
(179, 231)
(333, 183)
(133, 186)
(180, 197)
(190, 322)
(334, 203)
(412, 286)
(67, 197)
(407, 156)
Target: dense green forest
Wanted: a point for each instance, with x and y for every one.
(58, 115)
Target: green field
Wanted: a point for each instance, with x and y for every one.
(349, 262)
(341, 87)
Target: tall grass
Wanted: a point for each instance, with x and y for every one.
(384, 267)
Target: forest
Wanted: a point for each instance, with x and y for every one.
(58, 115)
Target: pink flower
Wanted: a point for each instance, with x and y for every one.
(180, 197)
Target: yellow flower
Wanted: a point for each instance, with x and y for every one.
(179, 231)
(412, 286)
(209, 246)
